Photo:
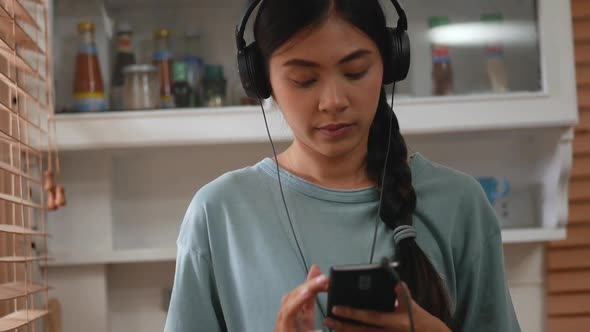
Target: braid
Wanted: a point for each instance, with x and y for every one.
(399, 203)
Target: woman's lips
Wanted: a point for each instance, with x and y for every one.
(336, 130)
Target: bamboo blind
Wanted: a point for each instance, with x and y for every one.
(568, 262)
(27, 186)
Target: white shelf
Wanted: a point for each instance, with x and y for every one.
(166, 127)
(530, 235)
(244, 124)
(113, 257)
(509, 236)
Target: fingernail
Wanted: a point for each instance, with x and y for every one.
(321, 279)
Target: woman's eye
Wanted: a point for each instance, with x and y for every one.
(357, 76)
(304, 84)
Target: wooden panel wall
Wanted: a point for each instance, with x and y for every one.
(4, 238)
(568, 262)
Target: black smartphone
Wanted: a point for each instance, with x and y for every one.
(364, 286)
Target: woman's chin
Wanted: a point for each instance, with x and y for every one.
(333, 148)
(336, 150)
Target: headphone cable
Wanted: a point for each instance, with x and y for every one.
(274, 152)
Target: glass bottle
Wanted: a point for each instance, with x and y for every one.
(181, 89)
(196, 66)
(123, 58)
(442, 70)
(163, 60)
(495, 57)
(214, 85)
(88, 84)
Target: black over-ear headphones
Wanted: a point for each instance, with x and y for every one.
(396, 55)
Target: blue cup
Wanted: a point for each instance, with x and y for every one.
(494, 187)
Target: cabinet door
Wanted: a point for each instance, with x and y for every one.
(464, 47)
(497, 64)
(511, 65)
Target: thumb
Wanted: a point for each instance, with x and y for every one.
(402, 290)
(314, 272)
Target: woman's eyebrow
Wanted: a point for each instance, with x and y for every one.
(310, 64)
(354, 55)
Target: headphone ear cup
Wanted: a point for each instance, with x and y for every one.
(388, 59)
(244, 72)
(253, 73)
(398, 66)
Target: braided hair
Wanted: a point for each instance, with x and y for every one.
(398, 205)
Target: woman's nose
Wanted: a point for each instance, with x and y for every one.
(333, 98)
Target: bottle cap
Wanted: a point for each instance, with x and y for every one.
(124, 27)
(162, 33)
(140, 68)
(492, 17)
(437, 21)
(180, 71)
(85, 26)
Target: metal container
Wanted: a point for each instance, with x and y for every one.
(141, 89)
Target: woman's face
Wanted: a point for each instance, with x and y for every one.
(327, 82)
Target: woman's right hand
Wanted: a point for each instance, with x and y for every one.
(297, 313)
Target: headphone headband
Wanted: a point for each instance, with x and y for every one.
(251, 66)
(241, 28)
(402, 22)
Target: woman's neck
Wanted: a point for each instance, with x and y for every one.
(345, 172)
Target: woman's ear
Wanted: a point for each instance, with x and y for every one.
(271, 103)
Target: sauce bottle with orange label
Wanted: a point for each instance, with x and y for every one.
(88, 84)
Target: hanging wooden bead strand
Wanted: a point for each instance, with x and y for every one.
(50, 189)
(60, 192)
(49, 182)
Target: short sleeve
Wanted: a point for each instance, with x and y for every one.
(194, 305)
(484, 301)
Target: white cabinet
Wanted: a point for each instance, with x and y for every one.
(130, 175)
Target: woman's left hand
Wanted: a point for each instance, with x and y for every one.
(397, 321)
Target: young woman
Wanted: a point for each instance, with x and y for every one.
(241, 254)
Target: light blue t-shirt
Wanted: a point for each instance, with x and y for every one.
(237, 256)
